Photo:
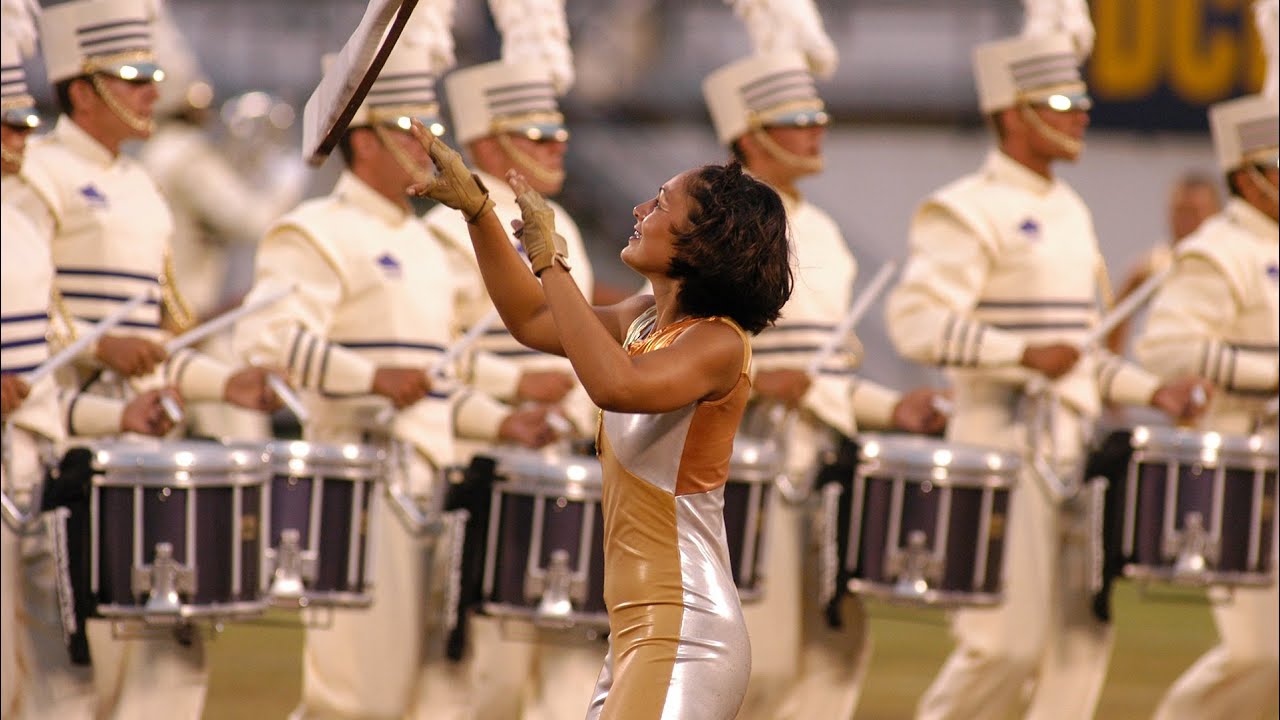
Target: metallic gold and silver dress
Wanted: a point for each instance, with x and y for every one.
(678, 643)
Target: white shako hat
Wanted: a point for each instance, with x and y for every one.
(1040, 68)
(773, 89)
(17, 39)
(186, 83)
(498, 97)
(1245, 131)
(113, 37)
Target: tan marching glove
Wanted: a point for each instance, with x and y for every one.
(454, 184)
(542, 243)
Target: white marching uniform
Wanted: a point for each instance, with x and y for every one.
(1001, 259)
(534, 679)
(108, 228)
(212, 208)
(1216, 316)
(373, 290)
(800, 666)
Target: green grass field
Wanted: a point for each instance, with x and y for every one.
(256, 671)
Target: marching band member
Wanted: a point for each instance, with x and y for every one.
(373, 310)
(768, 111)
(1001, 287)
(1216, 315)
(213, 208)
(108, 228)
(506, 116)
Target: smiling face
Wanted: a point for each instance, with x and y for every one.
(658, 221)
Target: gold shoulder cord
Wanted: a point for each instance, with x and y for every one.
(174, 304)
(1104, 285)
(59, 307)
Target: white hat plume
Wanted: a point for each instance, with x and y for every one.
(1044, 17)
(536, 31)
(775, 25)
(18, 23)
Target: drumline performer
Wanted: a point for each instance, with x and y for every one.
(214, 208)
(374, 311)
(767, 110)
(1001, 287)
(1217, 315)
(108, 229)
(506, 116)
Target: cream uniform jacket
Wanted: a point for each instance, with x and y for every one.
(211, 206)
(1001, 259)
(109, 229)
(825, 271)
(371, 289)
(499, 359)
(26, 276)
(1217, 316)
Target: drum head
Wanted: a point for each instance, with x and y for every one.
(1206, 448)
(180, 463)
(754, 460)
(346, 460)
(547, 469)
(939, 461)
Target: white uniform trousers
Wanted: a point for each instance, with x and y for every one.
(10, 570)
(1043, 640)
(1237, 679)
(523, 673)
(153, 676)
(42, 682)
(800, 667)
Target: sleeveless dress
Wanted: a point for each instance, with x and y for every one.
(678, 646)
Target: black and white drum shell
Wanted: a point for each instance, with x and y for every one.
(753, 468)
(1221, 486)
(928, 521)
(545, 505)
(204, 500)
(326, 492)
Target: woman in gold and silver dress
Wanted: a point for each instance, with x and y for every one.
(671, 372)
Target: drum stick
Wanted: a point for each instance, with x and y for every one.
(225, 320)
(943, 406)
(1125, 308)
(171, 408)
(441, 367)
(289, 398)
(857, 309)
(69, 353)
(1272, 408)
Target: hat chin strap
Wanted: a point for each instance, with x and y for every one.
(416, 172)
(11, 157)
(805, 163)
(132, 119)
(1064, 141)
(528, 164)
(1262, 183)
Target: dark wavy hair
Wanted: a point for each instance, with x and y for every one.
(734, 258)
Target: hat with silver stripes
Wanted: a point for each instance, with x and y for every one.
(497, 98)
(1036, 69)
(1246, 130)
(774, 89)
(19, 108)
(113, 37)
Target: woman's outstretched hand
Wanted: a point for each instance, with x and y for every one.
(454, 184)
(541, 243)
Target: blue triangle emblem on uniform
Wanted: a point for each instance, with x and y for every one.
(93, 195)
(389, 264)
(1030, 228)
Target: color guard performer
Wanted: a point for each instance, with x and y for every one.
(1001, 288)
(767, 110)
(1217, 315)
(108, 228)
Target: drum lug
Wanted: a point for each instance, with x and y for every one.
(292, 567)
(555, 589)
(162, 581)
(1194, 549)
(915, 567)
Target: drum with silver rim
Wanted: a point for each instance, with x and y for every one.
(544, 550)
(754, 467)
(177, 530)
(1200, 507)
(322, 498)
(927, 521)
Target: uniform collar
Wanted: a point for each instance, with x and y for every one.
(1007, 170)
(75, 139)
(357, 192)
(499, 191)
(790, 203)
(1253, 220)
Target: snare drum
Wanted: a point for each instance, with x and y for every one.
(753, 468)
(1200, 507)
(321, 510)
(927, 521)
(176, 530)
(544, 551)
